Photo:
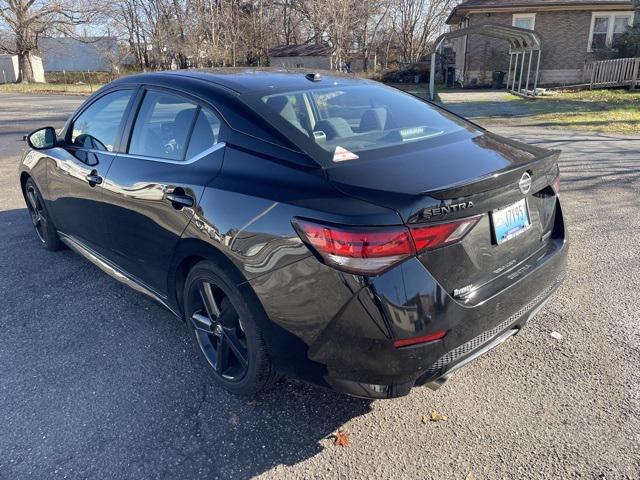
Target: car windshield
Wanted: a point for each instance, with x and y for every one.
(345, 123)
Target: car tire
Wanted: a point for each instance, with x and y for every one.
(44, 226)
(224, 328)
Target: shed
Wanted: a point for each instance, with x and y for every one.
(310, 56)
(9, 69)
(96, 54)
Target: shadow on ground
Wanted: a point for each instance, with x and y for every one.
(98, 381)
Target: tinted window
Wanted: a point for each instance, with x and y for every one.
(97, 127)
(162, 126)
(205, 134)
(344, 123)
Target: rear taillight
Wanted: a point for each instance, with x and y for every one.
(367, 251)
(372, 250)
(431, 237)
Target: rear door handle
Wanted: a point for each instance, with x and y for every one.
(178, 201)
(93, 178)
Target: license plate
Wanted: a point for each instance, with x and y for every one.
(511, 221)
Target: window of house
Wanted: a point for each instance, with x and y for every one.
(607, 28)
(620, 25)
(524, 20)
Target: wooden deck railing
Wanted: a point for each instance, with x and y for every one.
(620, 72)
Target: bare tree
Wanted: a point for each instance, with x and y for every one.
(418, 23)
(29, 19)
(186, 33)
(374, 14)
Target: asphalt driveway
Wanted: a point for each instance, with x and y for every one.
(98, 382)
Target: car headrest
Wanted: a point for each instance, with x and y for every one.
(373, 119)
(184, 118)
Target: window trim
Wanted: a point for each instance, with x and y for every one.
(612, 20)
(215, 147)
(200, 105)
(524, 16)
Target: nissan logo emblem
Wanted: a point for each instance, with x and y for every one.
(525, 183)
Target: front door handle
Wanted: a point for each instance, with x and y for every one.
(179, 200)
(93, 178)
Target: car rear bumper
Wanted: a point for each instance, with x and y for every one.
(338, 330)
(410, 362)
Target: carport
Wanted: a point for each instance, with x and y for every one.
(523, 44)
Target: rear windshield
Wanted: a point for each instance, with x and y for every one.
(346, 123)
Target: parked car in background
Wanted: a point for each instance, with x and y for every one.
(327, 228)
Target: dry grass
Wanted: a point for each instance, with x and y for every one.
(59, 88)
(610, 111)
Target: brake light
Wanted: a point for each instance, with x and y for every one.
(366, 251)
(556, 185)
(372, 250)
(431, 237)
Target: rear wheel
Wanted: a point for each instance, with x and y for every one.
(225, 331)
(45, 229)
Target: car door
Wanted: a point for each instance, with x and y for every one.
(175, 148)
(76, 170)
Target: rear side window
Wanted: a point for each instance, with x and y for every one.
(206, 133)
(162, 126)
(97, 127)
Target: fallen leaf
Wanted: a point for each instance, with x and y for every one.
(234, 419)
(470, 476)
(341, 438)
(437, 417)
(556, 335)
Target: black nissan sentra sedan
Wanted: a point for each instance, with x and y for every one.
(326, 228)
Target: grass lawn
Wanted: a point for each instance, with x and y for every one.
(611, 111)
(72, 89)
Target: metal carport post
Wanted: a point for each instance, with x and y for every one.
(521, 42)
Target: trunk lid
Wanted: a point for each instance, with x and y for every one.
(465, 177)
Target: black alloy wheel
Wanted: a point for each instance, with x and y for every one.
(219, 332)
(45, 229)
(226, 331)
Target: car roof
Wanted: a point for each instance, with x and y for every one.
(251, 80)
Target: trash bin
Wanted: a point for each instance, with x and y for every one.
(498, 79)
(451, 77)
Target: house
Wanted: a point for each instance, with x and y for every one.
(301, 56)
(95, 54)
(572, 32)
(9, 69)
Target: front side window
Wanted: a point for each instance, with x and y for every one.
(162, 126)
(347, 122)
(97, 127)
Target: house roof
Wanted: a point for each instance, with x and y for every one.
(470, 6)
(308, 50)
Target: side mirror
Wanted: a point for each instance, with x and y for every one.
(42, 139)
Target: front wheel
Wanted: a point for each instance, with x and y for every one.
(45, 229)
(227, 335)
